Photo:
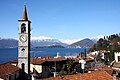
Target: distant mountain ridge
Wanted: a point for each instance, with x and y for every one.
(8, 43)
(11, 43)
(46, 41)
(82, 43)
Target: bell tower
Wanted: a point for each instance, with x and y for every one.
(24, 43)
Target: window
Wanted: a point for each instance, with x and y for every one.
(9, 77)
(15, 76)
(23, 67)
(23, 28)
(23, 49)
(118, 58)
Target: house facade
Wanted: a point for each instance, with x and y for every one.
(9, 72)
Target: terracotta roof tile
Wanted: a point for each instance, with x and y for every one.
(56, 59)
(37, 61)
(77, 59)
(41, 60)
(6, 69)
(103, 51)
(101, 68)
(97, 75)
(45, 59)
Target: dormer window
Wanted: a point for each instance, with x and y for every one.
(23, 28)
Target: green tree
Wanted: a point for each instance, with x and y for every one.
(66, 69)
(111, 43)
(61, 73)
(69, 64)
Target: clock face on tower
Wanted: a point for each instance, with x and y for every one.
(23, 38)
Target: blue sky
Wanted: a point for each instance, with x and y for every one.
(62, 19)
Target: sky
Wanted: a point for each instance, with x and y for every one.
(61, 19)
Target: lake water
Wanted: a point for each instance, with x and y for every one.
(9, 54)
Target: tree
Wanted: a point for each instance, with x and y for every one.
(111, 56)
(62, 73)
(66, 69)
(99, 57)
(69, 64)
(110, 43)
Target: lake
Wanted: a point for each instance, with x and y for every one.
(9, 54)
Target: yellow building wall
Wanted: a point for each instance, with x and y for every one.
(38, 68)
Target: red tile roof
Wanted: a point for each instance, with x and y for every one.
(109, 70)
(96, 75)
(101, 68)
(45, 59)
(36, 61)
(103, 51)
(56, 59)
(41, 60)
(6, 69)
(77, 59)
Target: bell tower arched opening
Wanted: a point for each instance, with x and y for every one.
(23, 28)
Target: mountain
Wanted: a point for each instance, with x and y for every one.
(47, 42)
(35, 42)
(95, 39)
(82, 43)
(42, 41)
(71, 41)
(7, 43)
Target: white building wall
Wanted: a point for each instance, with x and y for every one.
(116, 56)
(103, 56)
(14, 64)
(94, 53)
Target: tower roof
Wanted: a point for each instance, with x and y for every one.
(24, 15)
